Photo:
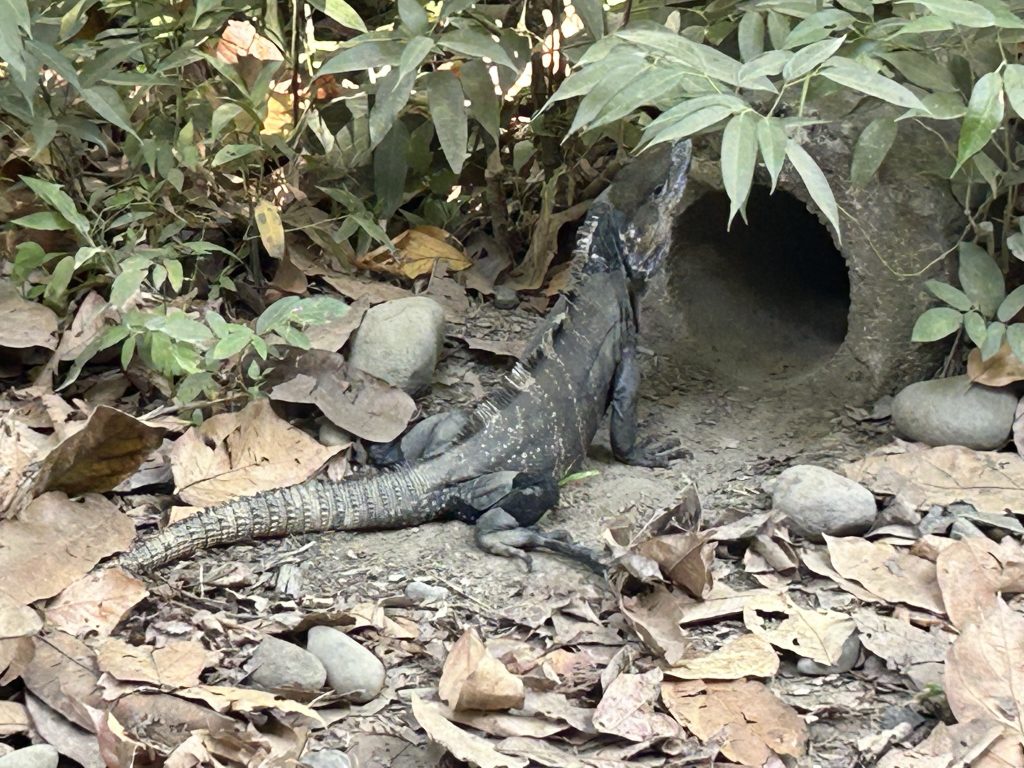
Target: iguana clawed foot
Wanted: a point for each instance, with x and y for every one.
(499, 533)
(656, 453)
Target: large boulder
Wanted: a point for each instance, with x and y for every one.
(816, 501)
(955, 411)
(400, 342)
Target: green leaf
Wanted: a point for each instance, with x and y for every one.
(818, 26)
(687, 125)
(935, 324)
(855, 75)
(739, 155)
(1016, 244)
(1015, 338)
(341, 12)
(416, 50)
(390, 168)
(276, 315)
(768, 63)
(126, 284)
(606, 90)
(1013, 83)
(48, 220)
(232, 152)
(815, 182)
(984, 116)
(811, 56)
(1012, 304)
(981, 278)
(701, 59)
(976, 328)
(772, 140)
(871, 149)
(223, 115)
(127, 352)
(923, 71)
(57, 287)
(231, 344)
(993, 340)
(956, 298)
(650, 86)
(317, 310)
(751, 35)
(469, 42)
(362, 55)
(218, 324)
(175, 274)
(108, 105)
(592, 14)
(484, 103)
(57, 198)
(181, 327)
(413, 16)
(583, 81)
(778, 29)
(448, 111)
(962, 12)
(394, 91)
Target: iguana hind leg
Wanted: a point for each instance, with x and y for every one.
(498, 533)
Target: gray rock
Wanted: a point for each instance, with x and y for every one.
(329, 434)
(400, 342)
(326, 758)
(954, 411)
(352, 671)
(847, 660)
(505, 297)
(281, 666)
(37, 756)
(817, 501)
(425, 594)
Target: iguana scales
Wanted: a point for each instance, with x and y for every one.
(501, 461)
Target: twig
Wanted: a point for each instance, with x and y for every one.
(164, 410)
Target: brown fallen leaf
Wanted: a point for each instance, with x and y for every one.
(721, 602)
(17, 620)
(884, 570)
(990, 481)
(530, 273)
(752, 723)
(464, 746)
(414, 254)
(985, 671)
(817, 561)
(818, 635)
(13, 718)
(15, 655)
(913, 652)
(473, 679)
(240, 39)
(742, 656)
(979, 743)
(24, 323)
(74, 742)
(95, 602)
(69, 536)
(333, 334)
(504, 725)
(89, 322)
(685, 560)
(178, 664)
(224, 698)
(242, 453)
(1001, 369)
(656, 617)
(972, 573)
(627, 709)
(63, 675)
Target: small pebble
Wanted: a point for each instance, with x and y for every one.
(847, 660)
(37, 756)
(281, 666)
(352, 671)
(425, 594)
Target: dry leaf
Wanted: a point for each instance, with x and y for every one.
(268, 222)
(240, 39)
(243, 453)
(462, 745)
(70, 537)
(985, 671)
(63, 675)
(913, 652)
(72, 741)
(989, 481)
(473, 679)
(178, 664)
(414, 254)
(1001, 369)
(817, 635)
(223, 698)
(742, 656)
(656, 617)
(972, 573)
(16, 619)
(959, 744)
(530, 273)
(721, 602)
(24, 323)
(96, 602)
(892, 574)
(500, 724)
(13, 718)
(684, 558)
(752, 723)
(1018, 428)
(109, 447)
(627, 709)
(817, 561)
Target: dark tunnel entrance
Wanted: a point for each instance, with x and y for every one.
(768, 300)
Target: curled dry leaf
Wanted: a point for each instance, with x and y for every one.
(1001, 369)
(414, 254)
(742, 656)
(72, 741)
(240, 454)
(107, 449)
(817, 561)
(17, 620)
(24, 323)
(656, 617)
(913, 652)
(985, 671)
(627, 709)
(892, 574)
(240, 39)
(95, 602)
(987, 480)
(752, 723)
(464, 746)
(69, 536)
(817, 635)
(684, 558)
(223, 698)
(473, 679)
(501, 724)
(972, 573)
(178, 664)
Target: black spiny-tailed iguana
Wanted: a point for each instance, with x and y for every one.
(502, 461)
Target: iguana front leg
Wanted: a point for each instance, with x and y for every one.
(625, 393)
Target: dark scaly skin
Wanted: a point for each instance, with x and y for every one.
(581, 361)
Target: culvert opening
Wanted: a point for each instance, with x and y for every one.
(768, 299)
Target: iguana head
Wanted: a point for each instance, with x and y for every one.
(647, 193)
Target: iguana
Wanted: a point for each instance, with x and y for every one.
(499, 464)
